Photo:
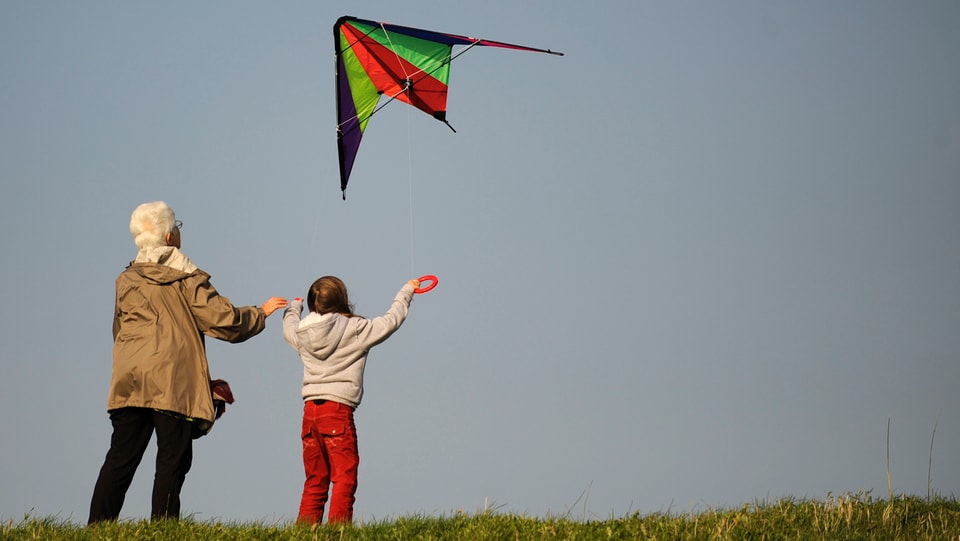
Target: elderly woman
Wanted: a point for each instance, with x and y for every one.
(161, 382)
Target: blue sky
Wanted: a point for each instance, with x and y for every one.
(700, 260)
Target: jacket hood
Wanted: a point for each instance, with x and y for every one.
(323, 333)
(162, 264)
(158, 274)
(170, 256)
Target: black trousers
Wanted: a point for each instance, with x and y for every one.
(132, 430)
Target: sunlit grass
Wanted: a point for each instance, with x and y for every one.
(836, 518)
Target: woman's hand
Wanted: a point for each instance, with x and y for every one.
(273, 304)
(415, 283)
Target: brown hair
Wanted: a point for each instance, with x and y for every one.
(329, 295)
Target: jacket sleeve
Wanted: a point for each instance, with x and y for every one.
(374, 331)
(291, 320)
(116, 319)
(217, 317)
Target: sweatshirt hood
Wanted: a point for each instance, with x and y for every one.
(323, 333)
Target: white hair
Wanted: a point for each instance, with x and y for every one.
(150, 223)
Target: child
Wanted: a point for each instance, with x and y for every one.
(333, 343)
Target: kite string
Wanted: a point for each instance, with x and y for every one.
(393, 49)
(313, 242)
(410, 183)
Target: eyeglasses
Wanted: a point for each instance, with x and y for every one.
(178, 224)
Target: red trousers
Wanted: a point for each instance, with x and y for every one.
(330, 455)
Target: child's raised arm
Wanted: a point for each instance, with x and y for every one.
(291, 319)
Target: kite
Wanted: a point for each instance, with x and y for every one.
(377, 59)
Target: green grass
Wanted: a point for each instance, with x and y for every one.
(849, 517)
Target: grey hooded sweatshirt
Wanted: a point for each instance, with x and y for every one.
(334, 347)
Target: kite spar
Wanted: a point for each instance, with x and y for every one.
(375, 59)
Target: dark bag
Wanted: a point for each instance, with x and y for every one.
(222, 395)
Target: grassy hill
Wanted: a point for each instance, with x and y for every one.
(849, 517)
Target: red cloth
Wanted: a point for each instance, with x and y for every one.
(222, 395)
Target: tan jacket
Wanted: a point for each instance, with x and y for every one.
(159, 359)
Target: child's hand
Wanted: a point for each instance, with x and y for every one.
(272, 304)
(414, 283)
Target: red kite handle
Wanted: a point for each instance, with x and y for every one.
(427, 278)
